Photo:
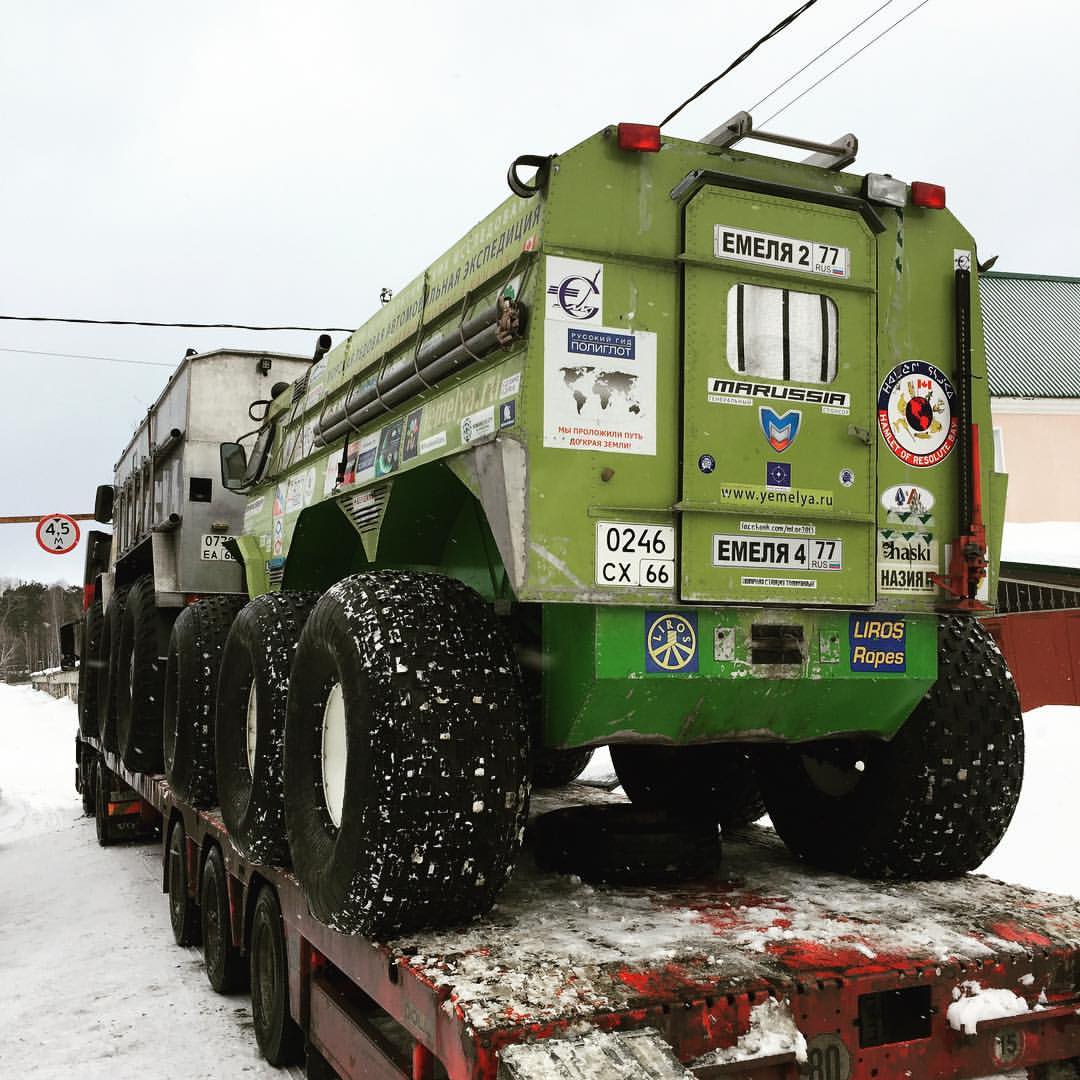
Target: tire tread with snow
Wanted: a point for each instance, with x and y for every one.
(93, 624)
(258, 653)
(139, 695)
(191, 681)
(108, 674)
(932, 802)
(436, 772)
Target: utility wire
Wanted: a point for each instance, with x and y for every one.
(83, 356)
(893, 26)
(783, 24)
(177, 325)
(828, 49)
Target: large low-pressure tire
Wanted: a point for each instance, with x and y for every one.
(933, 801)
(226, 968)
(715, 782)
(191, 682)
(183, 914)
(108, 654)
(89, 661)
(556, 768)
(251, 703)
(279, 1037)
(622, 845)
(141, 681)
(407, 769)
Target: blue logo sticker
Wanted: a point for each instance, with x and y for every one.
(778, 474)
(779, 430)
(577, 295)
(706, 463)
(507, 413)
(878, 643)
(671, 645)
(601, 343)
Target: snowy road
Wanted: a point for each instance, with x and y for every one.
(91, 984)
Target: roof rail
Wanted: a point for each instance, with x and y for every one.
(835, 155)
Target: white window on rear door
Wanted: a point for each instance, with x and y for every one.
(781, 334)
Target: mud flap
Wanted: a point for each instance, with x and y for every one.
(599, 1055)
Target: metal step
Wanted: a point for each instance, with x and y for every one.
(600, 1055)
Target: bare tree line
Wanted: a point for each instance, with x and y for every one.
(31, 615)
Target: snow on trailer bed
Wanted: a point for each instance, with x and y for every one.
(768, 968)
(859, 966)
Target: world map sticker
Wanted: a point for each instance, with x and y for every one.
(917, 413)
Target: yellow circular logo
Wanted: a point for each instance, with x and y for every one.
(671, 642)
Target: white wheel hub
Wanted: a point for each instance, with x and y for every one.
(252, 728)
(335, 753)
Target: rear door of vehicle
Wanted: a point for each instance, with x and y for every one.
(778, 454)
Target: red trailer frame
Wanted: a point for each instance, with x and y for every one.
(868, 969)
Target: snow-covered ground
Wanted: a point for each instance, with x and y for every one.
(91, 984)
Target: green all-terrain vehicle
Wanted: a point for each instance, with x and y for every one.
(680, 451)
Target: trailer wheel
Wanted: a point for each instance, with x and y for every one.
(715, 781)
(280, 1039)
(191, 683)
(141, 679)
(407, 768)
(556, 768)
(107, 674)
(932, 802)
(183, 914)
(225, 967)
(251, 722)
(89, 661)
(619, 844)
(102, 787)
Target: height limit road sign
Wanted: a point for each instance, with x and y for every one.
(57, 533)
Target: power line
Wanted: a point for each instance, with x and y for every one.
(173, 325)
(847, 61)
(828, 49)
(781, 25)
(83, 356)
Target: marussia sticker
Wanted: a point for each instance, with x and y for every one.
(780, 431)
(735, 392)
(916, 413)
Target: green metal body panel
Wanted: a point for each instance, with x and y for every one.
(617, 460)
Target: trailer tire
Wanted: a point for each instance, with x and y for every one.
(89, 661)
(622, 845)
(280, 1039)
(141, 680)
(255, 665)
(191, 682)
(105, 691)
(716, 781)
(226, 968)
(407, 686)
(932, 802)
(556, 768)
(87, 773)
(183, 914)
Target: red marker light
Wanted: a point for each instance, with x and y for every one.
(932, 196)
(641, 137)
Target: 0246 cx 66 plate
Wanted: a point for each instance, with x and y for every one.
(777, 552)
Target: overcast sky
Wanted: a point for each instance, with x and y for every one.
(279, 163)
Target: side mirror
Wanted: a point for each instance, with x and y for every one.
(103, 503)
(233, 466)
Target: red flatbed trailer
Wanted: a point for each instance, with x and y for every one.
(866, 972)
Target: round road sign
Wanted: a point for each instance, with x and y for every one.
(57, 533)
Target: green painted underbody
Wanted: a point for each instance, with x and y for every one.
(597, 690)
